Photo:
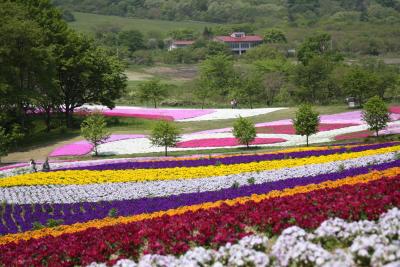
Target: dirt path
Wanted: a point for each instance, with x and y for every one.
(38, 153)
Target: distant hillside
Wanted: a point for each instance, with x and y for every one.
(87, 22)
(262, 12)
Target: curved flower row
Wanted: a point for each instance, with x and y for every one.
(297, 247)
(141, 175)
(23, 217)
(233, 159)
(308, 206)
(133, 190)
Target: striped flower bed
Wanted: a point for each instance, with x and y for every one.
(289, 129)
(225, 142)
(114, 211)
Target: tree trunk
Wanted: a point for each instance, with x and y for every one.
(307, 139)
(202, 103)
(47, 119)
(155, 103)
(68, 117)
(377, 133)
(247, 144)
(166, 150)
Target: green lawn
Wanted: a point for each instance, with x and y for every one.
(85, 22)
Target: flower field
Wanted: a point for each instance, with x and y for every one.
(173, 114)
(317, 206)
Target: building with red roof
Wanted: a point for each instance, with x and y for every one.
(239, 42)
(180, 44)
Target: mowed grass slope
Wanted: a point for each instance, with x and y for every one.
(86, 22)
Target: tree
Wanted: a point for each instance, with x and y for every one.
(219, 72)
(202, 91)
(306, 121)
(244, 131)
(153, 91)
(317, 45)
(4, 143)
(132, 39)
(87, 74)
(360, 83)
(273, 83)
(314, 82)
(248, 88)
(215, 48)
(93, 129)
(376, 114)
(274, 36)
(165, 134)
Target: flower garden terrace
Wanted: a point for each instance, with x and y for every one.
(123, 209)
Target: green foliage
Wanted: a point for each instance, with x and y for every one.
(306, 121)
(165, 134)
(219, 73)
(132, 39)
(4, 143)
(360, 83)
(251, 181)
(93, 129)
(314, 81)
(113, 213)
(244, 131)
(376, 114)
(152, 90)
(317, 45)
(274, 36)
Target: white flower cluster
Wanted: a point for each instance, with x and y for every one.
(370, 244)
(135, 190)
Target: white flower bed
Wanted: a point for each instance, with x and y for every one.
(223, 114)
(135, 190)
(296, 247)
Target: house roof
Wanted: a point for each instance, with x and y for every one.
(183, 42)
(247, 38)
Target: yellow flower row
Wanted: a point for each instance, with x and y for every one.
(99, 223)
(141, 175)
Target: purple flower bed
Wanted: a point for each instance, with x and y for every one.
(226, 160)
(86, 211)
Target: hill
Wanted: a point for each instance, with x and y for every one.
(87, 22)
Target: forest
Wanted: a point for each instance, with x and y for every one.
(301, 12)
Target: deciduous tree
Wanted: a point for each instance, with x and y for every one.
(152, 91)
(244, 131)
(306, 121)
(94, 130)
(376, 114)
(165, 134)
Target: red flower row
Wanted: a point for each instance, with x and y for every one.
(210, 227)
(289, 129)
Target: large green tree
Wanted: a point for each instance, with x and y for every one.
(87, 74)
(219, 72)
(314, 83)
(360, 83)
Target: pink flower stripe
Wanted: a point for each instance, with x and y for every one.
(81, 148)
(224, 142)
(361, 134)
(289, 129)
(152, 113)
(395, 109)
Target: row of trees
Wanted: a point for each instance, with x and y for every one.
(48, 68)
(320, 77)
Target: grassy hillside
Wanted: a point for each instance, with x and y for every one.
(86, 22)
